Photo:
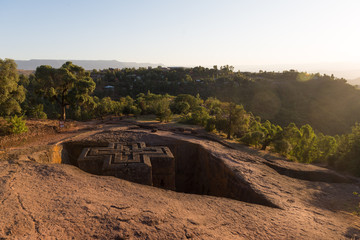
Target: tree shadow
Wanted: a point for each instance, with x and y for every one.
(334, 196)
(353, 233)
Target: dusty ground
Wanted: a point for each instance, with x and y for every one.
(45, 132)
(59, 201)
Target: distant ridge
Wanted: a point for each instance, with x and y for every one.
(348, 70)
(354, 81)
(86, 64)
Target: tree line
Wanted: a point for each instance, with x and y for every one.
(281, 97)
(69, 92)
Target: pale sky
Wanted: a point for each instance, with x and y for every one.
(183, 32)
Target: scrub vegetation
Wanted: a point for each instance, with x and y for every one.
(309, 118)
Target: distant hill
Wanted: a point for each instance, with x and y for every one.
(86, 64)
(355, 81)
(347, 70)
(25, 72)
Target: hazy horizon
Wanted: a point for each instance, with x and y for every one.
(349, 71)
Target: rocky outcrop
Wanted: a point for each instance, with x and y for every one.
(221, 193)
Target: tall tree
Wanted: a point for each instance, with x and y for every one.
(11, 94)
(305, 150)
(237, 120)
(67, 86)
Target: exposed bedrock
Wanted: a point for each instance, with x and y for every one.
(197, 171)
(325, 175)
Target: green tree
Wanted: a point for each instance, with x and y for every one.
(183, 103)
(253, 138)
(305, 149)
(214, 106)
(127, 103)
(271, 133)
(282, 146)
(291, 134)
(347, 156)
(211, 124)
(67, 86)
(237, 119)
(162, 110)
(180, 107)
(105, 106)
(11, 93)
(255, 133)
(199, 116)
(188, 78)
(37, 111)
(33, 106)
(327, 146)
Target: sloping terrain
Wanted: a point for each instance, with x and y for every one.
(276, 199)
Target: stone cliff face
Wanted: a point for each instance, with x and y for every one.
(221, 192)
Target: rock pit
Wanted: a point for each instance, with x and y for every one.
(196, 170)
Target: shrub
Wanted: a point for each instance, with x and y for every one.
(4, 126)
(37, 111)
(210, 125)
(17, 125)
(180, 107)
(253, 138)
(162, 110)
(357, 211)
(197, 117)
(135, 110)
(282, 146)
(164, 116)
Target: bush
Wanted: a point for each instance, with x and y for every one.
(162, 110)
(357, 211)
(253, 138)
(135, 110)
(17, 125)
(4, 126)
(37, 111)
(164, 116)
(282, 146)
(180, 107)
(197, 117)
(210, 125)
